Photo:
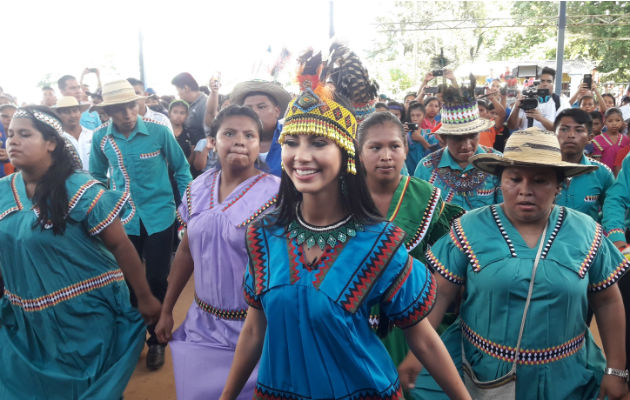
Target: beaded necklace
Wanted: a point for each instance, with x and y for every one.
(323, 235)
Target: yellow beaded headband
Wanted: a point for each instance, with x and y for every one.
(310, 114)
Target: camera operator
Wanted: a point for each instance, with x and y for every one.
(447, 73)
(545, 113)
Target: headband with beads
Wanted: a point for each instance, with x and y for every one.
(41, 117)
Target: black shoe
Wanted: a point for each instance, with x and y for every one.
(155, 357)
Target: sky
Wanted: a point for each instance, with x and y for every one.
(240, 39)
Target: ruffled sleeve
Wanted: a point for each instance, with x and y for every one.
(411, 294)
(608, 266)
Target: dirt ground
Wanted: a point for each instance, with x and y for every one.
(160, 385)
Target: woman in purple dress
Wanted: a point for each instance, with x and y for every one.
(215, 211)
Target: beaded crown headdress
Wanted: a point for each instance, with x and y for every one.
(460, 113)
(313, 112)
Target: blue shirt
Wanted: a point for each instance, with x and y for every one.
(586, 192)
(468, 188)
(139, 164)
(274, 155)
(617, 203)
(90, 120)
(417, 151)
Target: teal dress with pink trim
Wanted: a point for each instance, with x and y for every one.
(558, 358)
(319, 344)
(67, 329)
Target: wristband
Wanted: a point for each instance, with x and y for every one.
(621, 373)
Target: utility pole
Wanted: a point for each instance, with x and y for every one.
(562, 23)
(141, 57)
(331, 29)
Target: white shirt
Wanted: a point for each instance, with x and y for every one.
(159, 117)
(547, 110)
(83, 146)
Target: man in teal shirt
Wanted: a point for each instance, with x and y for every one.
(585, 193)
(137, 153)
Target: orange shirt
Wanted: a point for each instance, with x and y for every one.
(487, 137)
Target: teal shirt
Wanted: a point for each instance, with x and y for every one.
(617, 203)
(139, 164)
(468, 188)
(586, 193)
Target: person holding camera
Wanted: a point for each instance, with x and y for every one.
(536, 109)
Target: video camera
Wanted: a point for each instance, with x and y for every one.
(531, 96)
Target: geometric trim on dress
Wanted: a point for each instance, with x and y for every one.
(67, 293)
(244, 191)
(123, 170)
(463, 240)
(393, 392)
(497, 220)
(230, 315)
(98, 228)
(18, 204)
(153, 154)
(436, 265)
(614, 276)
(425, 222)
(592, 252)
(422, 305)
(268, 203)
(525, 356)
(554, 233)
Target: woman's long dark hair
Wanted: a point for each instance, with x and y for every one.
(51, 196)
(355, 196)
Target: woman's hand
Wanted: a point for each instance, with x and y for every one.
(614, 387)
(150, 308)
(164, 327)
(408, 371)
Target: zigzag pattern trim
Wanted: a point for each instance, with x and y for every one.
(98, 228)
(269, 203)
(525, 356)
(421, 307)
(255, 248)
(244, 191)
(18, 204)
(123, 170)
(67, 293)
(393, 392)
(436, 265)
(366, 274)
(426, 221)
(497, 220)
(614, 276)
(463, 240)
(592, 252)
(399, 281)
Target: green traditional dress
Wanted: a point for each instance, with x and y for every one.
(67, 329)
(417, 209)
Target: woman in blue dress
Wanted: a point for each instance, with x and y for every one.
(318, 264)
(578, 267)
(67, 329)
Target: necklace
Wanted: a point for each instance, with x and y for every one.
(323, 235)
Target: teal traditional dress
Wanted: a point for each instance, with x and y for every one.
(417, 209)
(615, 219)
(468, 188)
(586, 193)
(67, 329)
(319, 344)
(558, 359)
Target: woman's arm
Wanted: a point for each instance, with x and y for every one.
(248, 350)
(117, 242)
(611, 323)
(410, 367)
(181, 269)
(425, 343)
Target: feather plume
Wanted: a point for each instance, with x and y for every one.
(350, 78)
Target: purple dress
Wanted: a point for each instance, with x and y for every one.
(203, 346)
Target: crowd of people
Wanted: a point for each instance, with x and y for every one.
(455, 244)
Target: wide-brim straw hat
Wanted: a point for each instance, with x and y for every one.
(243, 89)
(69, 102)
(532, 147)
(462, 119)
(117, 92)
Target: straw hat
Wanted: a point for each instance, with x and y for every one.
(532, 147)
(117, 92)
(241, 90)
(68, 102)
(462, 119)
